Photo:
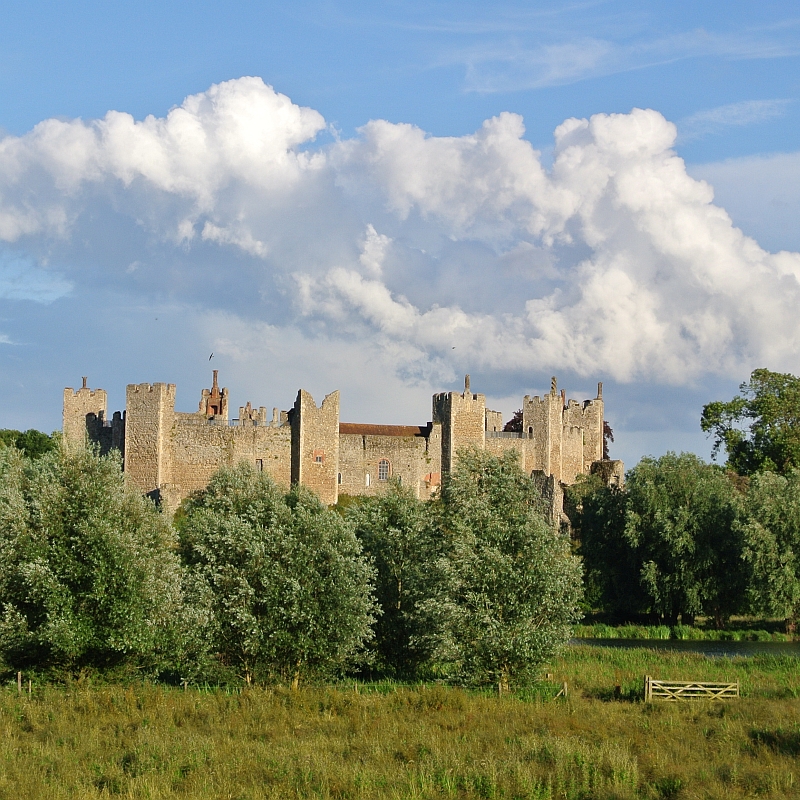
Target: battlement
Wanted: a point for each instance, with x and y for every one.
(169, 454)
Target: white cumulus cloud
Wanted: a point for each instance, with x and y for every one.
(441, 252)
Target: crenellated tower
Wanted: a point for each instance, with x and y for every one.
(463, 420)
(150, 413)
(315, 444)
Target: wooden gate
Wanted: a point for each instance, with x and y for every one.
(688, 690)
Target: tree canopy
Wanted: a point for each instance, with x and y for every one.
(760, 427)
(510, 587)
(32, 443)
(290, 589)
(396, 532)
(89, 576)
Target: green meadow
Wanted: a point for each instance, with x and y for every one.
(384, 740)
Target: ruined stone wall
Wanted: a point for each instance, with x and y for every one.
(315, 445)
(150, 411)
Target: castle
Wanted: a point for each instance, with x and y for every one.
(169, 454)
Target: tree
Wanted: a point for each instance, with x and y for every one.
(770, 526)
(680, 519)
(510, 587)
(32, 443)
(395, 532)
(89, 576)
(291, 589)
(514, 425)
(760, 427)
(608, 438)
(611, 567)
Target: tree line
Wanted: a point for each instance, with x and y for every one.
(684, 537)
(250, 583)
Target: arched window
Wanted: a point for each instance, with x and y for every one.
(384, 469)
(530, 433)
(339, 479)
(367, 480)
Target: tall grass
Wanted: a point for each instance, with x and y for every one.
(393, 741)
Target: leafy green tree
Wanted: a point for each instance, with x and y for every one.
(291, 588)
(510, 587)
(770, 526)
(32, 443)
(394, 529)
(89, 576)
(610, 562)
(680, 519)
(760, 427)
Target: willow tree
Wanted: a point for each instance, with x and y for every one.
(89, 575)
(509, 586)
(291, 591)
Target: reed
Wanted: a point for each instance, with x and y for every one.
(393, 741)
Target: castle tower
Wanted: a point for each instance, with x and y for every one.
(593, 416)
(315, 445)
(542, 420)
(150, 413)
(83, 414)
(214, 401)
(463, 421)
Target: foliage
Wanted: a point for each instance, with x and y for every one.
(760, 427)
(32, 443)
(611, 566)
(393, 528)
(514, 425)
(290, 587)
(88, 571)
(608, 438)
(680, 520)
(771, 529)
(509, 587)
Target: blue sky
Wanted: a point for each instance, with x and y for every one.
(386, 260)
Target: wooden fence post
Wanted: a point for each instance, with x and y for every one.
(19, 683)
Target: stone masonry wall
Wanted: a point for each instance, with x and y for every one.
(315, 445)
(150, 410)
(361, 454)
(463, 421)
(78, 405)
(198, 448)
(170, 455)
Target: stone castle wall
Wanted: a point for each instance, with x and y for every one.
(169, 455)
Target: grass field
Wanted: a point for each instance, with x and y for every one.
(389, 741)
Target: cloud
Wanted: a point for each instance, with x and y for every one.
(746, 112)
(511, 65)
(432, 255)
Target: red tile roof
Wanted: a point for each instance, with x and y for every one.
(382, 430)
